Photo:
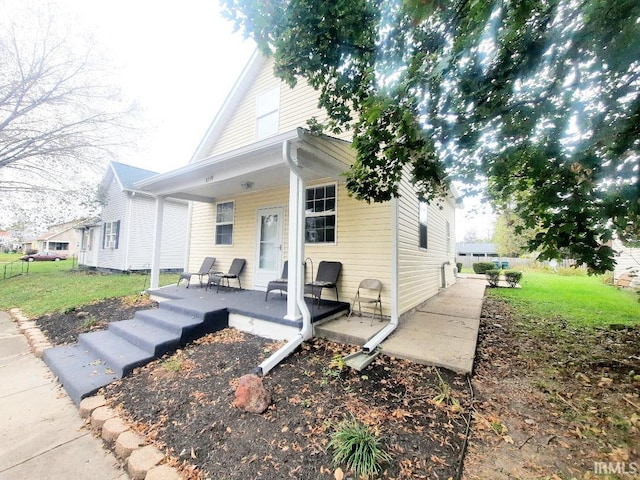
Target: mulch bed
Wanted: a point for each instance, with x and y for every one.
(182, 403)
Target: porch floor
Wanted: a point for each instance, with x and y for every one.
(249, 303)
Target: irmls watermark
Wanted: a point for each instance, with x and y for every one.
(616, 468)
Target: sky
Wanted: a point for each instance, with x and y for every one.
(177, 61)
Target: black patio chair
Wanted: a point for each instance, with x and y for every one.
(205, 269)
(234, 272)
(281, 283)
(327, 277)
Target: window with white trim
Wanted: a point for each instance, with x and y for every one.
(320, 214)
(423, 218)
(224, 223)
(267, 113)
(110, 234)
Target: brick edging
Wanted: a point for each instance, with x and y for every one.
(38, 342)
(142, 460)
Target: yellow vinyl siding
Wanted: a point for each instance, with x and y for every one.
(244, 231)
(363, 245)
(419, 270)
(296, 107)
(363, 240)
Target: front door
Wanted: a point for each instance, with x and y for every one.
(269, 228)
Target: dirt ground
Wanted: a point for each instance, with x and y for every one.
(546, 402)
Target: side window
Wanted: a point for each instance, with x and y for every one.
(110, 234)
(423, 218)
(224, 223)
(267, 113)
(320, 214)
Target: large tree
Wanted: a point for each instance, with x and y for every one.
(536, 100)
(60, 118)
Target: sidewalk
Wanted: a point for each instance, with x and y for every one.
(41, 434)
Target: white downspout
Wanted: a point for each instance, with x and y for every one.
(377, 339)
(295, 297)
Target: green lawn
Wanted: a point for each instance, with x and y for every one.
(55, 286)
(580, 300)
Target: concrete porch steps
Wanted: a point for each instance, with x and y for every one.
(104, 356)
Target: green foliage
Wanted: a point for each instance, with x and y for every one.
(445, 395)
(459, 266)
(539, 98)
(512, 277)
(357, 447)
(482, 267)
(493, 277)
(90, 322)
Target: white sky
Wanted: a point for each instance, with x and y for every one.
(178, 60)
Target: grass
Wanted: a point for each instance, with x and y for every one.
(582, 301)
(55, 286)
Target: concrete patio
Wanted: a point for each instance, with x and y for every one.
(442, 332)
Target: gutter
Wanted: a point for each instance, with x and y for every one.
(371, 346)
(296, 230)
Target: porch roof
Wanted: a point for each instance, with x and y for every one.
(258, 166)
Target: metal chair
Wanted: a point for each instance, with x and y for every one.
(234, 272)
(371, 287)
(205, 269)
(327, 277)
(281, 283)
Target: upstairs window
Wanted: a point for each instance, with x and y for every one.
(267, 113)
(423, 218)
(224, 223)
(110, 234)
(320, 214)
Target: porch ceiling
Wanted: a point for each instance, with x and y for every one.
(258, 166)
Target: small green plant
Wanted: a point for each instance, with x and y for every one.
(459, 266)
(336, 366)
(357, 447)
(173, 364)
(482, 267)
(90, 323)
(493, 277)
(445, 395)
(512, 277)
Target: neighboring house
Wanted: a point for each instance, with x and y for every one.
(627, 263)
(266, 190)
(5, 240)
(121, 239)
(63, 239)
(473, 249)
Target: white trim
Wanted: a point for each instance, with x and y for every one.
(232, 223)
(322, 214)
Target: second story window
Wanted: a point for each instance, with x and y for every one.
(267, 113)
(224, 223)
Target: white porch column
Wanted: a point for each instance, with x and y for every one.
(157, 241)
(296, 245)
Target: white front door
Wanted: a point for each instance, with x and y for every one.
(269, 228)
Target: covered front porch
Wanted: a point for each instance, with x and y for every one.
(250, 304)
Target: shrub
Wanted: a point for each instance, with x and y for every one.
(482, 267)
(512, 277)
(357, 447)
(459, 266)
(493, 277)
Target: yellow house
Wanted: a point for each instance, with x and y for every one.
(265, 189)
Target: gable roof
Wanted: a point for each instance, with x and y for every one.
(128, 175)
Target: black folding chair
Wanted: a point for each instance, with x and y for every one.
(205, 269)
(234, 272)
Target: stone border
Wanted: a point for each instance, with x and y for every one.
(142, 461)
(38, 342)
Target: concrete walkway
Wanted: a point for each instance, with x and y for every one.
(441, 332)
(41, 434)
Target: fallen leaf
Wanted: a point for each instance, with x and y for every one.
(508, 439)
(338, 474)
